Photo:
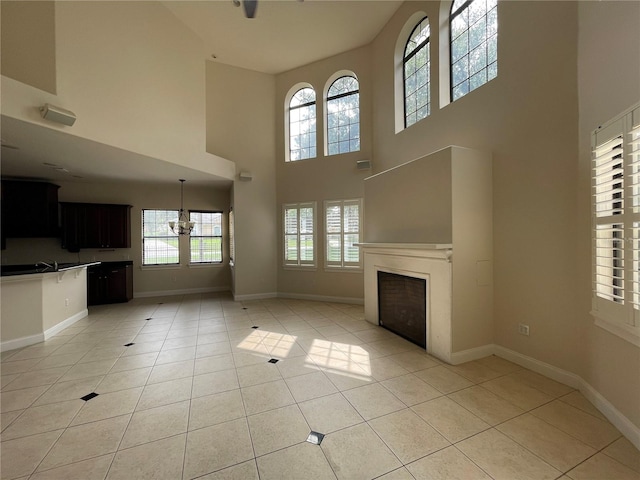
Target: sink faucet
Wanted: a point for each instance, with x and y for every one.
(53, 265)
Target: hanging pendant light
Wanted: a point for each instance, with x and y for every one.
(183, 226)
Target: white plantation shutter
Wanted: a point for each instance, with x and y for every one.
(299, 234)
(616, 225)
(343, 230)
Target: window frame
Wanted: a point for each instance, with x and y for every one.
(405, 58)
(169, 235)
(615, 203)
(288, 109)
(327, 99)
(299, 263)
(221, 237)
(452, 16)
(342, 265)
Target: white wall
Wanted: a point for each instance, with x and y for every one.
(608, 41)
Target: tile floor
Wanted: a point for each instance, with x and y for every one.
(194, 395)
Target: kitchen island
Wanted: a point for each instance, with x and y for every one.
(40, 301)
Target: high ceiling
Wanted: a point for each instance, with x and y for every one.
(285, 34)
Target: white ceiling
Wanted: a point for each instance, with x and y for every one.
(284, 34)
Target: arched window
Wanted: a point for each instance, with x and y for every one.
(302, 124)
(416, 66)
(474, 44)
(343, 116)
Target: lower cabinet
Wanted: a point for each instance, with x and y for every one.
(110, 282)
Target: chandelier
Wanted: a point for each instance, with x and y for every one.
(183, 226)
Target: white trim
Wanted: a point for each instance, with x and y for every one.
(471, 354)
(50, 332)
(617, 418)
(322, 298)
(624, 331)
(185, 291)
(21, 342)
(254, 296)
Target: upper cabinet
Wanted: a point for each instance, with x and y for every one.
(31, 205)
(95, 225)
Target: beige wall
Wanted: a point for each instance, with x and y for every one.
(158, 280)
(28, 43)
(240, 113)
(323, 178)
(608, 41)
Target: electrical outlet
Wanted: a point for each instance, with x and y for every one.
(66, 302)
(523, 329)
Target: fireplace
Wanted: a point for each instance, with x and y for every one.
(402, 306)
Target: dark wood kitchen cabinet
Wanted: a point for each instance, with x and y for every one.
(110, 282)
(31, 205)
(95, 225)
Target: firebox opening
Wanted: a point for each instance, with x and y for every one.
(402, 306)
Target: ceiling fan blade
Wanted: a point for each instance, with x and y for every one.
(250, 7)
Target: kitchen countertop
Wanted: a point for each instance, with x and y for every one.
(29, 269)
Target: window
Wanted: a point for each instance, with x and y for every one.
(299, 234)
(343, 230)
(205, 241)
(159, 244)
(302, 125)
(616, 226)
(343, 116)
(416, 65)
(474, 44)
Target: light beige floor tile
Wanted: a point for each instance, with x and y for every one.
(486, 405)
(45, 418)
(517, 392)
(18, 366)
(86, 441)
(134, 362)
(443, 380)
(231, 442)
(292, 367)
(259, 373)
(108, 405)
(303, 460)
(601, 467)
(542, 383)
(150, 337)
(504, 459)
(53, 361)
(313, 385)
(245, 359)
(347, 380)
(414, 361)
(37, 378)
(20, 399)
(105, 353)
(179, 342)
(171, 371)
(552, 445)
(176, 355)
(7, 418)
(499, 364)
(410, 389)
(475, 372)
(266, 396)
(407, 435)
(89, 369)
(144, 347)
(215, 409)
(373, 401)
(21, 456)
(242, 471)
(215, 382)
(330, 413)
(156, 423)
(92, 469)
(123, 380)
(7, 379)
(576, 399)
(624, 452)
(165, 393)
(400, 474)
(586, 428)
(446, 464)
(213, 364)
(383, 368)
(276, 429)
(162, 459)
(358, 453)
(450, 419)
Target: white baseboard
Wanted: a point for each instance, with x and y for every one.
(472, 354)
(50, 332)
(621, 422)
(21, 342)
(184, 291)
(254, 296)
(322, 298)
